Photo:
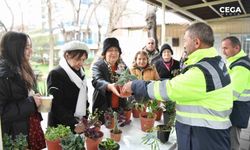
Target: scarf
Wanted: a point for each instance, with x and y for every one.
(80, 110)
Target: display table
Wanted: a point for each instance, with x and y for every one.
(132, 137)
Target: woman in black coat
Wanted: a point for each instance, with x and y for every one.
(67, 83)
(17, 99)
(166, 66)
(104, 74)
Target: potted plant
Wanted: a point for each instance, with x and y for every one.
(124, 77)
(127, 111)
(53, 136)
(147, 120)
(163, 131)
(109, 144)
(19, 143)
(92, 134)
(116, 133)
(156, 108)
(46, 98)
(109, 118)
(72, 142)
(169, 110)
(137, 108)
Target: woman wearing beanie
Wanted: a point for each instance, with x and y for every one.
(167, 67)
(67, 84)
(104, 74)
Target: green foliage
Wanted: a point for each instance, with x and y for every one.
(72, 142)
(125, 77)
(152, 140)
(53, 133)
(109, 144)
(153, 105)
(169, 107)
(42, 88)
(19, 143)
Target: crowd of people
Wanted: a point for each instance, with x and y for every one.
(212, 97)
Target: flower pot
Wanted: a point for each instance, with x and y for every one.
(110, 123)
(123, 94)
(136, 113)
(116, 136)
(46, 102)
(92, 144)
(54, 145)
(146, 123)
(158, 115)
(127, 114)
(163, 134)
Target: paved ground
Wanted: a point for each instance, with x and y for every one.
(245, 138)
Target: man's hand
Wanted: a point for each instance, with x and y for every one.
(127, 87)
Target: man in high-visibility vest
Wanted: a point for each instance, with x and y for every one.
(202, 92)
(239, 71)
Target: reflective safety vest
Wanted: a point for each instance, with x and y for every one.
(239, 70)
(240, 74)
(203, 92)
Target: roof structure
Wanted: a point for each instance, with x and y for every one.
(206, 10)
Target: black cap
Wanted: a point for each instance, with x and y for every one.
(166, 46)
(110, 42)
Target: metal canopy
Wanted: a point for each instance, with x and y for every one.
(206, 10)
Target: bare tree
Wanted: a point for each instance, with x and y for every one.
(12, 15)
(51, 38)
(116, 7)
(151, 22)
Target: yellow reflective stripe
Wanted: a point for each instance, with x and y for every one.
(203, 110)
(204, 122)
(204, 116)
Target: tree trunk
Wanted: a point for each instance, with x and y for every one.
(151, 22)
(51, 38)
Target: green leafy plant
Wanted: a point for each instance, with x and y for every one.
(72, 142)
(153, 105)
(53, 133)
(19, 143)
(125, 77)
(109, 144)
(152, 140)
(169, 107)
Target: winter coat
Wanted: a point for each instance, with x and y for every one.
(101, 97)
(65, 98)
(149, 73)
(15, 104)
(163, 72)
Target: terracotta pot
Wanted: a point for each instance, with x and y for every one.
(158, 115)
(127, 114)
(54, 145)
(92, 144)
(111, 123)
(136, 113)
(146, 123)
(116, 136)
